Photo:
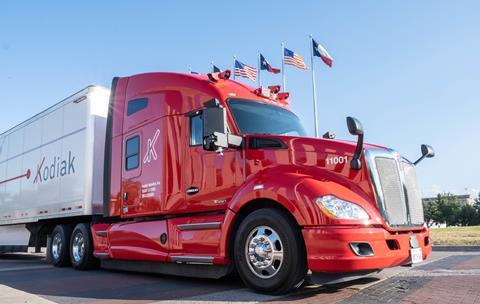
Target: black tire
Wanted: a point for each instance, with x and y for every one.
(293, 268)
(81, 256)
(58, 250)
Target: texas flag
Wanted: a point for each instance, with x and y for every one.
(321, 52)
(264, 65)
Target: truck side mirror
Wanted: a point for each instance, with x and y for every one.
(356, 128)
(215, 132)
(214, 126)
(427, 152)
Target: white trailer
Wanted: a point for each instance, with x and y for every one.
(51, 168)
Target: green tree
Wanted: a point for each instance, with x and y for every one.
(476, 206)
(430, 212)
(448, 209)
(466, 215)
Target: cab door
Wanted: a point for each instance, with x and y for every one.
(132, 170)
(133, 143)
(210, 178)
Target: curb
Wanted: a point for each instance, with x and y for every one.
(455, 248)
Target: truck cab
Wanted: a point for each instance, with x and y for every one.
(204, 175)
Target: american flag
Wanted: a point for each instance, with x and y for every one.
(246, 71)
(294, 59)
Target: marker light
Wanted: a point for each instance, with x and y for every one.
(262, 92)
(274, 89)
(225, 75)
(283, 96)
(337, 208)
(273, 93)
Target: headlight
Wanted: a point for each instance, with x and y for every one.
(340, 209)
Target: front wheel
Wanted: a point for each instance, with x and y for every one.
(269, 252)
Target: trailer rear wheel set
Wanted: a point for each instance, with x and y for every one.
(58, 247)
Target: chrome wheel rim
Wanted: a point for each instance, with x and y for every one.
(78, 247)
(57, 246)
(264, 252)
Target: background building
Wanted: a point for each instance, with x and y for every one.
(464, 199)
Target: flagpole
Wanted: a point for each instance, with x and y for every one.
(233, 70)
(258, 70)
(283, 68)
(314, 88)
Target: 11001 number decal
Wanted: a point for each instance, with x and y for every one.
(336, 160)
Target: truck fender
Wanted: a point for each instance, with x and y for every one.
(297, 194)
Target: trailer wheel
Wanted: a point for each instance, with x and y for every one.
(269, 254)
(81, 248)
(58, 249)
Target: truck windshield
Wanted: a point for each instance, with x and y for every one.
(253, 117)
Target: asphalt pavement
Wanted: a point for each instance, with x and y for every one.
(446, 277)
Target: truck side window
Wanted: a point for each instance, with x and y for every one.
(196, 130)
(132, 151)
(136, 105)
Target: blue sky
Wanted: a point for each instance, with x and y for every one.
(409, 70)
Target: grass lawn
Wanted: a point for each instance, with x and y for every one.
(456, 235)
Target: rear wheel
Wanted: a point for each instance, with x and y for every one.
(269, 254)
(58, 249)
(81, 248)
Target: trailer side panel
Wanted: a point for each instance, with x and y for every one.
(49, 166)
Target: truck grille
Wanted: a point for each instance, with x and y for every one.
(395, 185)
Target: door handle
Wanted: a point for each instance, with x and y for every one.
(125, 196)
(192, 190)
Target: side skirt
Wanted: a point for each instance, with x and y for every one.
(178, 269)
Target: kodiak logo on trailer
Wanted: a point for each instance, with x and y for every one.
(56, 168)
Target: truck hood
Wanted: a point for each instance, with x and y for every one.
(319, 145)
(324, 160)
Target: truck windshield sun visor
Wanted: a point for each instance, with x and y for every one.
(253, 117)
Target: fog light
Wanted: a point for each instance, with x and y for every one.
(393, 244)
(362, 249)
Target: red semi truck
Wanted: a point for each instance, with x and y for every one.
(200, 175)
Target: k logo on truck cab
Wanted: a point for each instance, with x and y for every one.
(151, 152)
